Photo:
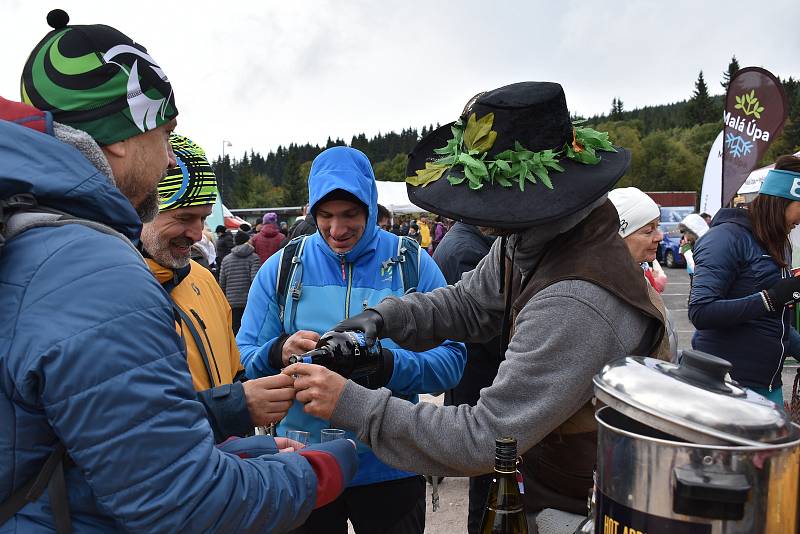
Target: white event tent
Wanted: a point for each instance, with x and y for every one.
(394, 197)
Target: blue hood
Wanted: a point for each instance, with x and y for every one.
(60, 177)
(348, 169)
(732, 215)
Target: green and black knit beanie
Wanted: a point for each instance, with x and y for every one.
(96, 79)
(191, 182)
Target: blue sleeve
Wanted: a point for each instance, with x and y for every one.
(716, 258)
(226, 409)
(115, 388)
(261, 324)
(433, 370)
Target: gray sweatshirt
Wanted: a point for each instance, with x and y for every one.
(563, 337)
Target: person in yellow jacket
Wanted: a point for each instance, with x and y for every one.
(425, 233)
(202, 314)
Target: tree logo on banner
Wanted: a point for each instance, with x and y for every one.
(749, 104)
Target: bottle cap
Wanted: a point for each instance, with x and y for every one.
(506, 450)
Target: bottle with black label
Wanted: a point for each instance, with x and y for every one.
(346, 353)
(504, 513)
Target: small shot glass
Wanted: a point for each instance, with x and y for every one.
(300, 436)
(331, 434)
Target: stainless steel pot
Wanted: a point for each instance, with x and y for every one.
(682, 449)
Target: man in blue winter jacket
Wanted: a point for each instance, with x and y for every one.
(95, 392)
(348, 265)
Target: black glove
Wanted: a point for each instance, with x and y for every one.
(370, 322)
(380, 378)
(786, 291)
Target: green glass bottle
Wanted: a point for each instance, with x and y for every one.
(504, 513)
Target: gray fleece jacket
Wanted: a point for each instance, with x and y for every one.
(562, 338)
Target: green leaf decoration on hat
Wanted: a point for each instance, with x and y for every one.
(431, 173)
(467, 151)
(585, 143)
(478, 135)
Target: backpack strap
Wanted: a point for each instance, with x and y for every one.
(50, 476)
(290, 261)
(38, 217)
(408, 257)
(181, 317)
(408, 250)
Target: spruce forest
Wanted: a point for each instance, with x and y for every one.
(669, 145)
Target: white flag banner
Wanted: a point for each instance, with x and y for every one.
(711, 195)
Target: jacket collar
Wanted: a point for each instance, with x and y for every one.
(168, 278)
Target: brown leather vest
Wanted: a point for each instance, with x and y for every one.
(558, 470)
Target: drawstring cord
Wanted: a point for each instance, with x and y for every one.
(509, 291)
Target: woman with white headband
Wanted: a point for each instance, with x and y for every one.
(743, 288)
(638, 226)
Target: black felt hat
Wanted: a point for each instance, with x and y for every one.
(528, 116)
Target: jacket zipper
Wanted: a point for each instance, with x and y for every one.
(783, 348)
(210, 347)
(349, 286)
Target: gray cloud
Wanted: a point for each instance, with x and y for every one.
(263, 74)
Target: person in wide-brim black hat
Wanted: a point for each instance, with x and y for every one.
(513, 160)
(560, 287)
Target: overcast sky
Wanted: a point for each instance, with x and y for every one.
(262, 74)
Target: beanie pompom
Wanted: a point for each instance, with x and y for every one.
(57, 19)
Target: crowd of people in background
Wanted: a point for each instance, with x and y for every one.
(270, 235)
(426, 230)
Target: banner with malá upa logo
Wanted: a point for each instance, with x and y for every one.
(755, 110)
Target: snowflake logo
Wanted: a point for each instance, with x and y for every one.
(737, 145)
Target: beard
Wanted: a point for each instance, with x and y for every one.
(159, 249)
(148, 208)
(139, 183)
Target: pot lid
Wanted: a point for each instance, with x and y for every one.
(695, 400)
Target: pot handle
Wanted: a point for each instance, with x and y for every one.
(712, 494)
(703, 370)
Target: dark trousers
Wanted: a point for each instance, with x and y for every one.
(393, 507)
(237, 313)
(478, 495)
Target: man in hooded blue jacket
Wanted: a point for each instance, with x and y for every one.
(90, 360)
(343, 269)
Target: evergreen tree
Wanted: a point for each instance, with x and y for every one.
(616, 109)
(701, 108)
(727, 76)
(391, 170)
(255, 191)
(295, 192)
(226, 174)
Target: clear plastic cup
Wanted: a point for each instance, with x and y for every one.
(300, 436)
(331, 434)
